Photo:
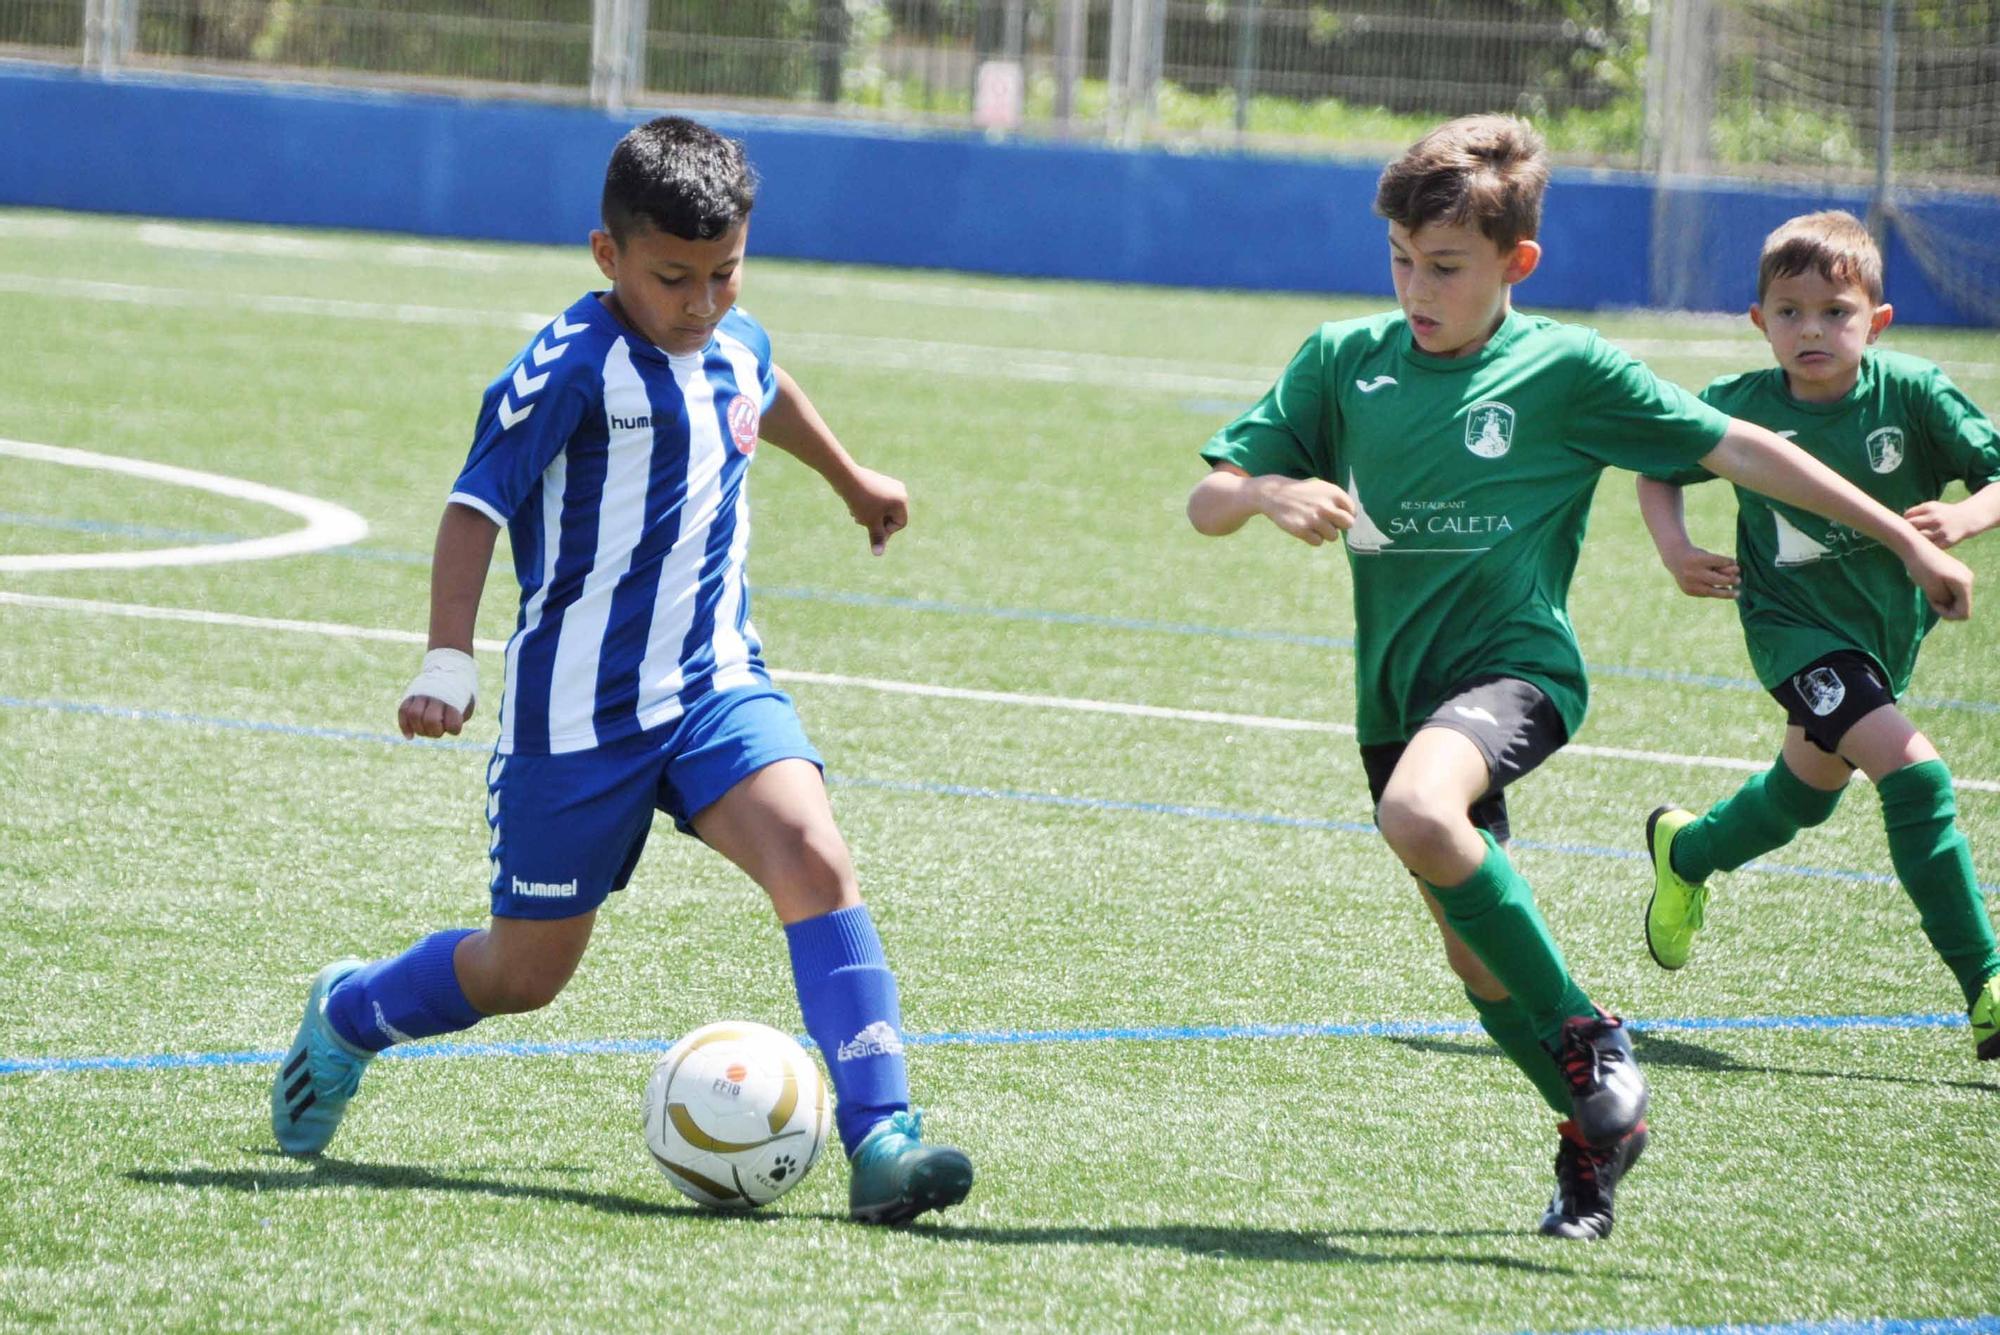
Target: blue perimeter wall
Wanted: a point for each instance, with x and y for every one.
(510, 171)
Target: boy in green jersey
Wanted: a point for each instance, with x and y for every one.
(1832, 620)
(1454, 445)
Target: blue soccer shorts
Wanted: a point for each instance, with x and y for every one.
(567, 830)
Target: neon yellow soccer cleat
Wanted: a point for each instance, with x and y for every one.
(1986, 1020)
(1674, 913)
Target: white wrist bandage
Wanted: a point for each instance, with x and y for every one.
(450, 676)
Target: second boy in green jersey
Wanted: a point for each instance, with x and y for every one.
(1454, 446)
(1832, 621)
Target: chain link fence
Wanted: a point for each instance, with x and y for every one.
(1897, 98)
(1361, 74)
(1823, 89)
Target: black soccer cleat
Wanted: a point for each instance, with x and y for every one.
(1585, 1180)
(1606, 1090)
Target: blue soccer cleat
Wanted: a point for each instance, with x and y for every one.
(894, 1176)
(319, 1072)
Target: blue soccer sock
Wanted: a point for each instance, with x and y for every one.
(848, 997)
(414, 995)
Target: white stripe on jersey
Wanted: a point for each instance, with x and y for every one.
(621, 518)
(555, 481)
(660, 677)
(732, 655)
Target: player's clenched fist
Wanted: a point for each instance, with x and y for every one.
(1312, 509)
(442, 697)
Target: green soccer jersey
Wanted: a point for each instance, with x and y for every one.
(1811, 586)
(1472, 479)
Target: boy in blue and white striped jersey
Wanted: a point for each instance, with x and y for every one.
(615, 450)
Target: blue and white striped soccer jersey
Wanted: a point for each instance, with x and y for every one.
(634, 680)
(619, 471)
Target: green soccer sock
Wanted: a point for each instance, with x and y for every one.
(1507, 1024)
(1763, 814)
(1935, 865)
(1493, 911)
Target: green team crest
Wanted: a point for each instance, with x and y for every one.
(1885, 449)
(1489, 428)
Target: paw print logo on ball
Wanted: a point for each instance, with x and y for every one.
(783, 1167)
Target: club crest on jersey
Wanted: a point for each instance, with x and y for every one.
(1489, 429)
(1885, 449)
(1822, 690)
(743, 420)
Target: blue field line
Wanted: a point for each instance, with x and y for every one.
(1149, 625)
(990, 1038)
(927, 788)
(1880, 1325)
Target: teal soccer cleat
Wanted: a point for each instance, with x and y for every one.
(319, 1073)
(894, 1176)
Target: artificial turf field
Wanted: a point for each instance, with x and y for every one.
(1179, 1004)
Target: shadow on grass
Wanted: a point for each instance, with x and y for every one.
(320, 1173)
(1254, 1244)
(1668, 1053)
(1257, 1244)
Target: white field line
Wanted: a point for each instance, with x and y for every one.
(1071, 704)
(1036, 365)
(284, 244)
(293, 246)
(327, 524)
(329, 307)
(1039, 365)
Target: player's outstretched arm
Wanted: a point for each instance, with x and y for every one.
(878, 502)
(1752, 457)
(1699, 573)
(1948, 523)
(1312, 509)
(446, 691)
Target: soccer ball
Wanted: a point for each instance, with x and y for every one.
(736, 1113)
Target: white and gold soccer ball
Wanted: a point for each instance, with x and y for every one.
(736, 1114)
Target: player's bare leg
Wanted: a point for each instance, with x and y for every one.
(778, 826)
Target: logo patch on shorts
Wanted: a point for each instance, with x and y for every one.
(743, 421)
(1489, 429)
(1885, 449)
(1822, 689)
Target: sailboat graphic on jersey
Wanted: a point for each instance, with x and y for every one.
(1795, 547)
(1362, 535)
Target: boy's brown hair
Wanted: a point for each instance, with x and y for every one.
(1487, 171)
(1834, 244)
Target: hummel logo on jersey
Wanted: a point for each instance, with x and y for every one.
(544, 889)
(638, 423)
(543, 353)
(1478, 713)
(879, 1039)
(1370, 386)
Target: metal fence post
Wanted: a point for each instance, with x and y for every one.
(1885, 128)
(1249, 22)
(1118, 71)
(1070, 35)
(617, 51)
(831, 36)
(110, 31)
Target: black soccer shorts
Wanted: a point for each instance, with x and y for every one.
(1515, 726)
(1832, 694)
